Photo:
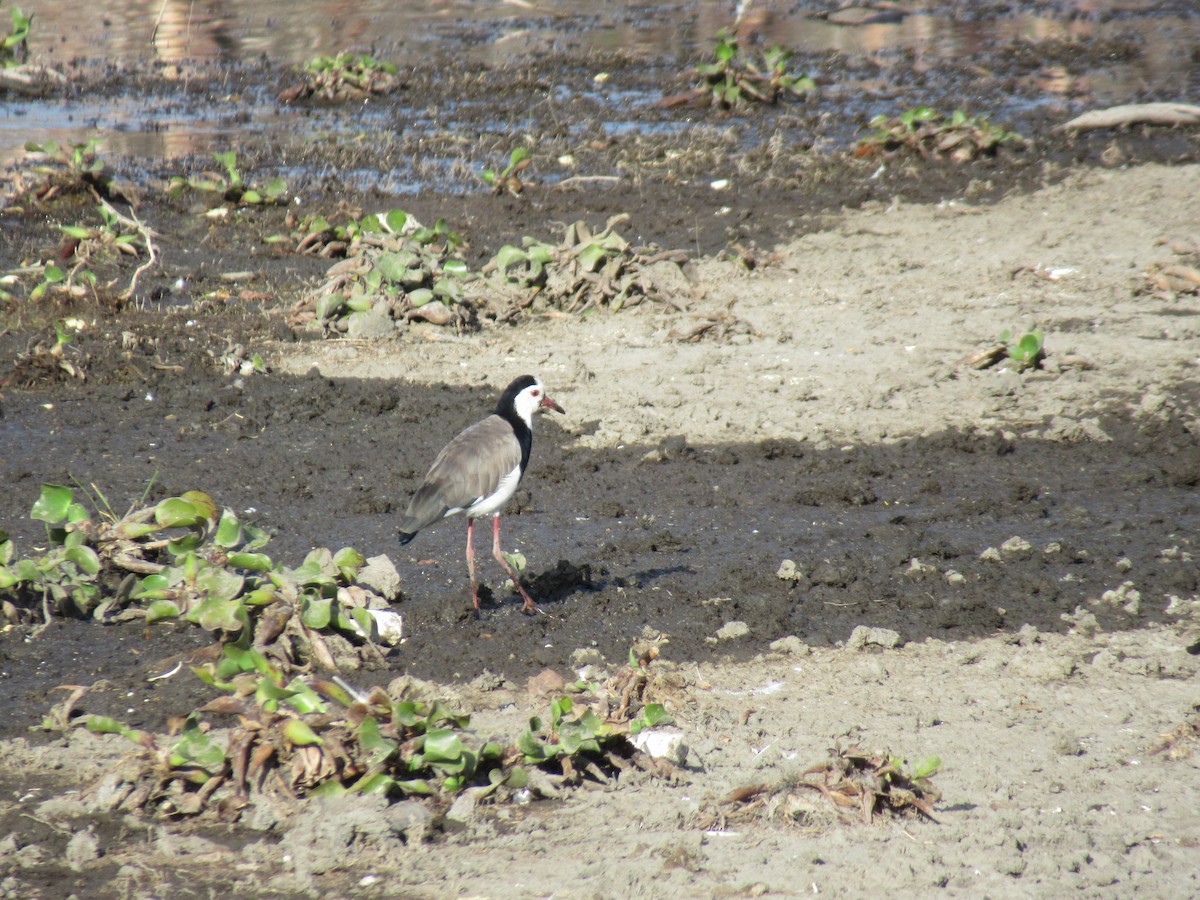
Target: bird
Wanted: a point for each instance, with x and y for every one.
(478, 472)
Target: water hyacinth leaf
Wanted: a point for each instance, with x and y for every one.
(317, 568)
(300, 734)
(419, 297)
(415, 786)
(76, 231)
(592, 257)
(395, 221)
(152, 587)
(302, 698)
(329, 306)
(508, 256)
(7, 578)
(85, 559)
(107, 725)
(316, 613)
(215, 614)
(261, 596)
(220, 584)
(255, 562)
(456, 267)
(327, 789)
(379, 749)
(26, 570)
(518, 156)
(161, 609)
(52, 503)
(196, 748)
(7, 549)
(176, 512)
(275, 188)
(374, 783)
(185, 544)
(348, 561)
(252, 197)
(928, 767)
(363, 623)
(229, 530)
(237, 659)
(395, 266)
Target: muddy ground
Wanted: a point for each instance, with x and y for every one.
(1028, 536)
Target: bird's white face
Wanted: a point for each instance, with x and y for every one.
(532, 399)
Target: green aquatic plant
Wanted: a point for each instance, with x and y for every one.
(959, 137)
(184, 558)
(344, 76)
(1027, 351)
(509, 178)
(12, 45)
(734, 77)
(231, 184)
(398, 266)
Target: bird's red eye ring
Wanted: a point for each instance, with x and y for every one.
(537, 393)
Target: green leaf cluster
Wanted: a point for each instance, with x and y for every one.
(179, 558)
(959, 137)
(404, 266)
(1027, 351)
(12, 46)
(231, 184)
(734, 76)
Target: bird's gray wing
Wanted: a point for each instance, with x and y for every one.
(468, 469)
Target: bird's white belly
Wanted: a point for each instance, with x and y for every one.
(494, 501)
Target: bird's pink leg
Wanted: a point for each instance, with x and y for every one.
(471, 561)
(530, 606)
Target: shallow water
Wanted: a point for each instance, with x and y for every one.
(453, 35)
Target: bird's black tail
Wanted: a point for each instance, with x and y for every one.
(406, 536)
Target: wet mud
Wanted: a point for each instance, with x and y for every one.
(677, 538)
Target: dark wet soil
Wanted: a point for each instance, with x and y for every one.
(615, 543)
(682, 543)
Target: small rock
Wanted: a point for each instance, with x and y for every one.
(1017, 547)
(82, 850)
(375, 322)
(662, 743)
(1082, 621)
(1123, 564)
(917, 570)
(1125, 596)
(1027, 636)
(787, 571)
(409, 819)
(586, 656)
(380, 575)
(732, 631)
(954, 577)
(991, 554)
(545, 682)
(863, 636)
(790, 646)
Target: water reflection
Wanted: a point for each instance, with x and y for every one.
(177, 35)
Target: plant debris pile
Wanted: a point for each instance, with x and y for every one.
(298, 736)
(341, 78)
(858, 785)
(586, 271)
(735, 77)
(931, 135)
(395, 270)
